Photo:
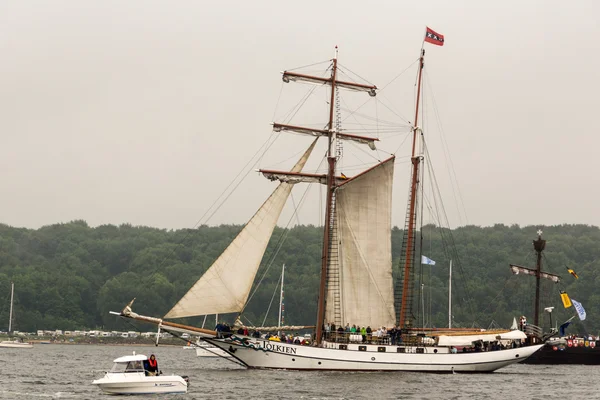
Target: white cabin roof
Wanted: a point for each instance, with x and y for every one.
(135, 357)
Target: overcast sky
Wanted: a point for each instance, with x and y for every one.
(143, 111)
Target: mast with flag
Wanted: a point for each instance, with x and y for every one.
(539, 245)
(406, 315)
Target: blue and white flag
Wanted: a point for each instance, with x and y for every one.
(579, 308)
(561, 330)
(427, 261)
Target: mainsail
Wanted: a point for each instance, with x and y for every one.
(363, 207)
(225, 286)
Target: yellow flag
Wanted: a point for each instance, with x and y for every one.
(572, 272)
(565, 299)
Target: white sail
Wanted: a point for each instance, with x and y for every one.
(514, 324)
(225, 286)
(364, 206)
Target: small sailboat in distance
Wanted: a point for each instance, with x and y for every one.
(356, 282)
(15, 343)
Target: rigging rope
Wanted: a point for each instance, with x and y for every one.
(352, 72)
(446, 148)
(310, 65)
(449, 241)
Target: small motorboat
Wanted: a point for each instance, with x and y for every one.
(128, 376)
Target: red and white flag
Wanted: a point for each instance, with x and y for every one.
(433, 37)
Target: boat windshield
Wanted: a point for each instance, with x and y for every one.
(131, 366)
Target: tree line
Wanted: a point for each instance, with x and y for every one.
(69, 276)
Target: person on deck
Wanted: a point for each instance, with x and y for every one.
(152, 367)
(363, 332)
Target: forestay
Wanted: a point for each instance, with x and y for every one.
(226, 285)
(363, 207)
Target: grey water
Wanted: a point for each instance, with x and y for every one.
(66, 372)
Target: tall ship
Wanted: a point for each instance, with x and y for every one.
(356, 273)
(559, 347)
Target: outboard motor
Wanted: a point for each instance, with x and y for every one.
(186, 379)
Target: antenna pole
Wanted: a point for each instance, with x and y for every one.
(450, 297)
(331, 159)
(281, 300)
(408, 262)
(12, 294)
(423, 305)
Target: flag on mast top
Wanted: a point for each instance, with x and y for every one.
(433, 37)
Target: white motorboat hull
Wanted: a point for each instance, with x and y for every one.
(15, 345)
(275, 355)
(138, 383)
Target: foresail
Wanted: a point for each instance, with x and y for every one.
(363, 207)
(225, 286)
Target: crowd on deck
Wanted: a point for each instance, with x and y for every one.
(361, 334)
(224, 330)
(354, 334)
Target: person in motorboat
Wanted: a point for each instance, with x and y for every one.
(151, 366)
(129, 375)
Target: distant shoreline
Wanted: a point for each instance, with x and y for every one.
(45, 342)
(101, 341)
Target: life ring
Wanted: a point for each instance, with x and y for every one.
(570, 343)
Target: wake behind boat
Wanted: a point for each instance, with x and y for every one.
(128, 376)
(356, 273)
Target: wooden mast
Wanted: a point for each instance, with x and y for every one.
(539, 246)
(412, 206)
(331, 182)
(329, 179)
